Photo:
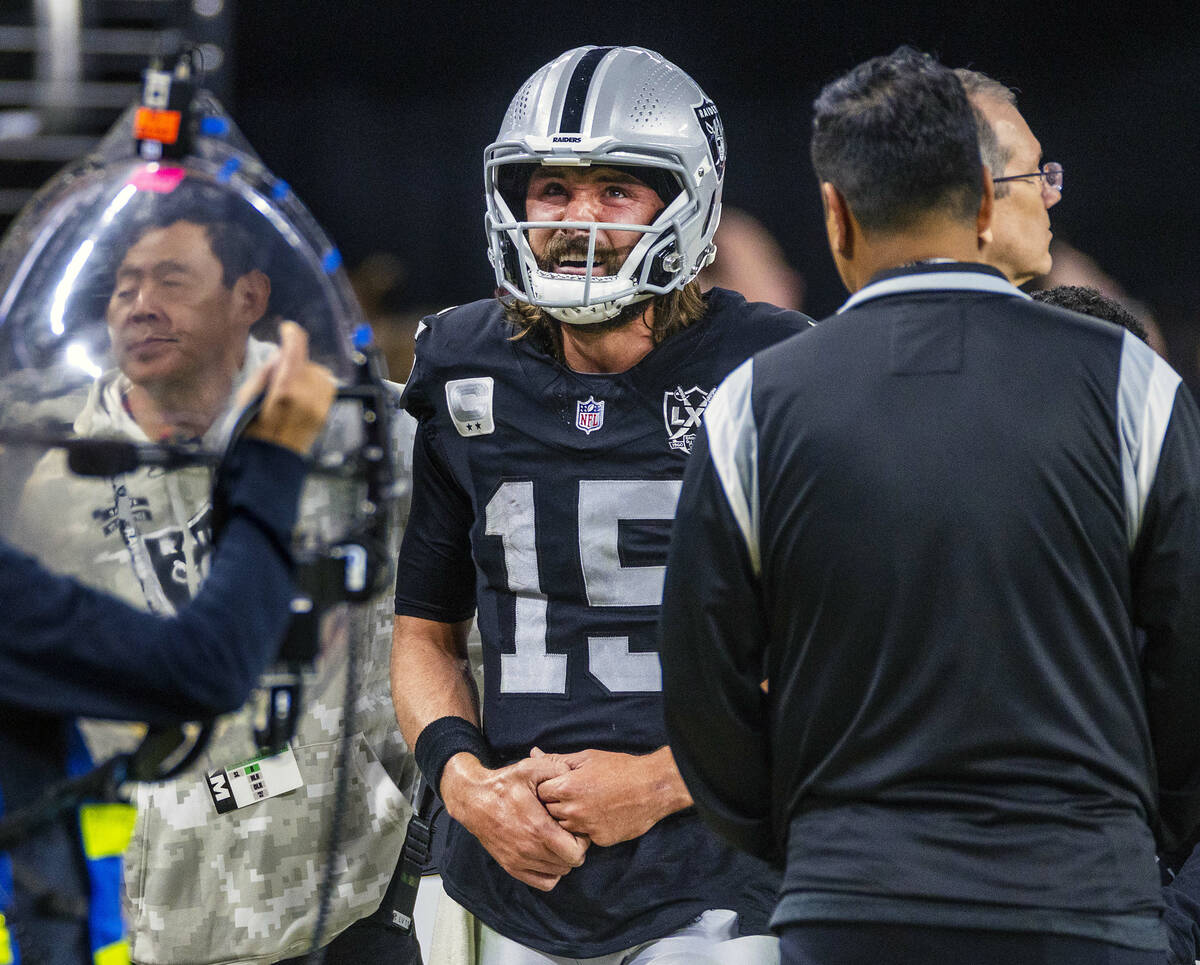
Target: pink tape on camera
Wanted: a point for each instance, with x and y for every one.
(160, 180)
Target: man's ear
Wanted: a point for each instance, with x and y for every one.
(251, 293)
(987, 209)
(839, 223)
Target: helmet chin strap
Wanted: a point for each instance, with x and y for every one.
(599, 312)
(543, 283)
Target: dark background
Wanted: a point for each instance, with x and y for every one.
(378, 114)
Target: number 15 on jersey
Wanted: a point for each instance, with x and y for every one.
(603, 505)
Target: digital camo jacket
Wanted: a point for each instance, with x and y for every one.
(240, 887)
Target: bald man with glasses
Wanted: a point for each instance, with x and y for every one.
(1018, 241)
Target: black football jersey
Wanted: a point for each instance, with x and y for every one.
(544, 498)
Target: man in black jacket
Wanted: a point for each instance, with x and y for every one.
(931, 524)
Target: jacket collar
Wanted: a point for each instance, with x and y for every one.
(934, 276)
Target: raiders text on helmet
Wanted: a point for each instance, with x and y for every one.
(622, 107)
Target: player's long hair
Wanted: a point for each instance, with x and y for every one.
(673, 312)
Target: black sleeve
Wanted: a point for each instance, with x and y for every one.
(711, 637)
(435, 572)
(1166, 603)
(415, 397)
(1181, 918)
(70, 650)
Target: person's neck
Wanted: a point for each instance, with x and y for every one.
(164, 413)
(940, 241)
(610, 351)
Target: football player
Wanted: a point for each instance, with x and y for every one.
(555, 423)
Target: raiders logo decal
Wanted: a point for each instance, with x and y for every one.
(714, 130)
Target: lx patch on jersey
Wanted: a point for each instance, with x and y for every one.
(682, 412)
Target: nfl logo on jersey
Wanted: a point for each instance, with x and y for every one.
(589, 415)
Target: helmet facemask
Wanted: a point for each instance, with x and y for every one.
(653, 266)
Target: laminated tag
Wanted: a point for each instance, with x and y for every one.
(254, 780)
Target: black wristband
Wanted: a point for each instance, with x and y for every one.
(441, 740)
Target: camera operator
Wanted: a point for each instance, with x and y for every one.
(67, 651)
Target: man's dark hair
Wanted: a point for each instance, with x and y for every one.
(1088, 301)
(233, 243)
(897, 137)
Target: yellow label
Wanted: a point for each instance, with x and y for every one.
(106, 828)
(115, 954)
(6, 952)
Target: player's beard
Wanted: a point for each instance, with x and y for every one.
(563, 247)
(574, 247)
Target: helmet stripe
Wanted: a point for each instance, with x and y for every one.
(577, 90)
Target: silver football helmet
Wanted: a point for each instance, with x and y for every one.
(623, 107)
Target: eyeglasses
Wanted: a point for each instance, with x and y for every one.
(1051, 174)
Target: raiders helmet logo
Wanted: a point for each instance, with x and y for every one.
(714, 130)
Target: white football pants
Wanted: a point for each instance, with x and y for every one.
(708, 940)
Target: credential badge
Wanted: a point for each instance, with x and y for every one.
(589, 415)
(682, 411)
(469, 402)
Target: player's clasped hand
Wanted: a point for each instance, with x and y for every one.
(611, 797)
(501, 808)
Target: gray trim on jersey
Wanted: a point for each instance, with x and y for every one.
(934, 281)
(1146, 390)
(421, 326)
(733, 448)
